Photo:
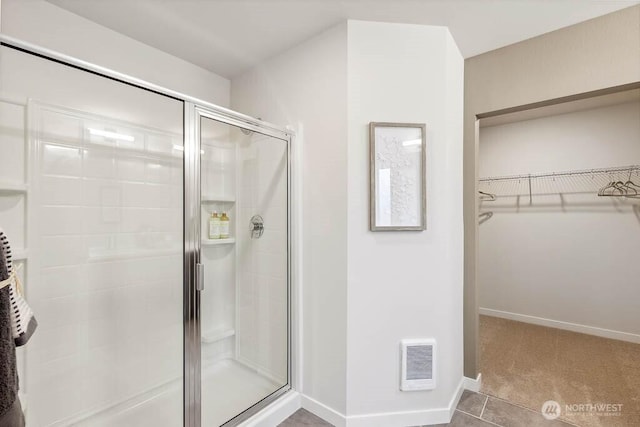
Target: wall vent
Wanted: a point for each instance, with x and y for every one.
(418, 359)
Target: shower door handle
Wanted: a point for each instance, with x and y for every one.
(200, 277)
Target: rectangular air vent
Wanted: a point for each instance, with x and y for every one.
(418, 358)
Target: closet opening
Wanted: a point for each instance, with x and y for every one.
(559, 235)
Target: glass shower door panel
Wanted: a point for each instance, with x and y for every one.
(244, 315)
(99, 220)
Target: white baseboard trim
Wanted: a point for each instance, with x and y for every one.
(473, 385)
(277, 412)
(574, 327)
(386, 419)
(453, 404)
(323, 411)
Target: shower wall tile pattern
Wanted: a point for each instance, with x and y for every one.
(262, 285)
(107, 261)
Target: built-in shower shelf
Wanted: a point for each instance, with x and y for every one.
(20, 255)
(216, 242)
(218, 199)
(217, 335)
(12, 187)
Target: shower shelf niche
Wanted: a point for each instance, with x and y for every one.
(217, 335)
(11, 187)
(20, 255)
(216, 242)
(218, 199)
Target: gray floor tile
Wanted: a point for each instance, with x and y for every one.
(508, 415)
(460, 419)
(303, 417)
(472, 403)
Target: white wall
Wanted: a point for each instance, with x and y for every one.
(404, 284)
(306, 88)
(574, 263)
(46, 25)
(364, 291)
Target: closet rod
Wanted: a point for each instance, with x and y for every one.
(627, 169)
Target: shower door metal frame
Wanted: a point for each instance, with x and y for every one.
(193, 108)
(192, 332)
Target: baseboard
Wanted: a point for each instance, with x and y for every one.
(386, 419)
(323, 411)
(453, 404)
(473, 385)
(574, 327)
(277, 412)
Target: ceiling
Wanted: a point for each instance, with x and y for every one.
(228, 37)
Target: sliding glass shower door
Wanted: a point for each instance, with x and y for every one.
(91, 192)
(244, 298)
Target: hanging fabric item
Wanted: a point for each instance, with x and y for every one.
(23, 323)
(8, 370)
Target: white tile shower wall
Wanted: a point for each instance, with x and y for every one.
(109, 292)
(12, 152)
(12, 205)
(12, 146)
(218, 191)
(262, 285)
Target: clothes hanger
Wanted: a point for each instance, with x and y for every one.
(603, 190)
(631, 186)
(616, 187)
(484, 217)
(487, 196)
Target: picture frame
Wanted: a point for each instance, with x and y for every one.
(398, 184)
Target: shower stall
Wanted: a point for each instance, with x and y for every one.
(148, 315)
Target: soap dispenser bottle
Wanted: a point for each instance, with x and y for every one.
(224, 226)
(214, 226)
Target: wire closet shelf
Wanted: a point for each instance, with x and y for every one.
(567, 182)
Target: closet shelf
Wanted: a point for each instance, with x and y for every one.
(216, 242)
(12, 187)
(553, 183)
(216, 335)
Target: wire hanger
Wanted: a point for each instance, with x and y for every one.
(487, 196)
(484, 217)
(632, 187)
(613, 189)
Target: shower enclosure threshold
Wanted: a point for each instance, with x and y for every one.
(161, 405)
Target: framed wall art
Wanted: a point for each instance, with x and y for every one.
(398, 190)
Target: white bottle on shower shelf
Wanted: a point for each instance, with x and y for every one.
(224, 226)
(214, 226)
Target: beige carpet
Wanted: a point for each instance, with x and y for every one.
(528, 365)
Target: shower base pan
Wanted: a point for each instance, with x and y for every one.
(228, 388)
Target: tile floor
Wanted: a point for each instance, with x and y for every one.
(474, 410)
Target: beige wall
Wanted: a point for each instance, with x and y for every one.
(592, 55)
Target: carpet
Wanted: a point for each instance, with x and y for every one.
(528, 365)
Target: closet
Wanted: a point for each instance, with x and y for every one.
(559, 236)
